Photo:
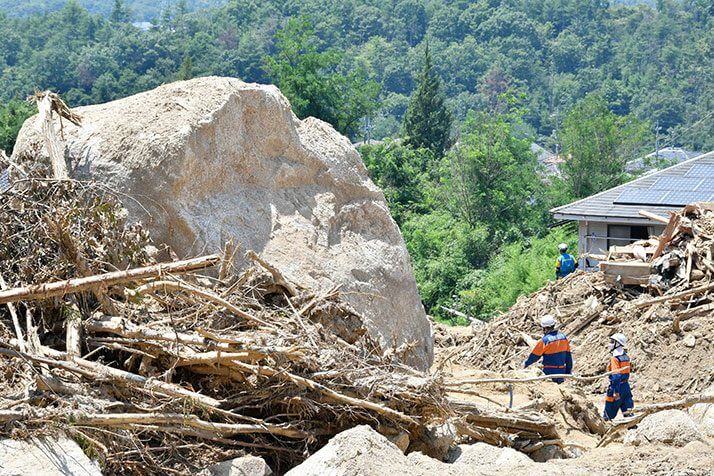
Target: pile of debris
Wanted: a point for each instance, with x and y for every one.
(658, 292)
(157, 367)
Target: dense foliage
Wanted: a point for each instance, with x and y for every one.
(591, 78)
(653, 62)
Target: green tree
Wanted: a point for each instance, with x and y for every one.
(490, 176)
(399, 171)
(186, 69)
(310, 78)
(427, 123)
(597, 144)
(12, 116)
(120, 12)
(521, 267)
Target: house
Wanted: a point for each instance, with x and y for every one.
(612, 217)
(661, 158)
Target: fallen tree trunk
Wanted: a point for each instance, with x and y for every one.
(689, 292)
(61, 288)
(162, 420)
(99, 372)
(530, 422)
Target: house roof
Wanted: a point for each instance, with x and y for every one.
(608, 206)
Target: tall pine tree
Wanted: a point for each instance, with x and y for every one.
(427, 122)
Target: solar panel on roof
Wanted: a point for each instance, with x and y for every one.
(706, 186)
(701, 170)
(684, 198)
(632, 195)
(676, 183)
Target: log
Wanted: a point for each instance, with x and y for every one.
(654, 216)
(161, 420)
(73, 324)
(225, 429)
(532, 422)
(689, 292)
(46, 126)
(61, 288)
(125, 328)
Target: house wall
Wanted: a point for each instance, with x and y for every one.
(593, 239)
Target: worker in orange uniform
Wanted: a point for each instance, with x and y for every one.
(619, 395)
(554, 348)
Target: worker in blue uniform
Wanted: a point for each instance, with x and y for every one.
(554, 349)
(565, 263)
(619, 395)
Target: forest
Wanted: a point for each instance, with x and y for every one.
(446, 97)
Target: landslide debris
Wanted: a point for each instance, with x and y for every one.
(669, 321)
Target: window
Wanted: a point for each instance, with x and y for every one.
(623, 235)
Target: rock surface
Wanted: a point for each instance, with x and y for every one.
(48, 456)
(359, 451)
(672, 427)
(215, 158)
(703, 415)
(243, 466)
(482, 454)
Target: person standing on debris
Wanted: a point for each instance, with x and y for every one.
(619, 396)
(554, 348)
(565, 263)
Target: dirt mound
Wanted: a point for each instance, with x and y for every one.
(671, 333)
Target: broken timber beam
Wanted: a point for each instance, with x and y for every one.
(654, 217)
(689, 292)
(61, 288)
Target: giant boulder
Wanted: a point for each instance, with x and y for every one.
(210, 159)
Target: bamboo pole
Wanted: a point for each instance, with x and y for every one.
(61, 288)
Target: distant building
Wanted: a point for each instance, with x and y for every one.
(144, 25)
(548, 160)
(612, 217)
(661, 158)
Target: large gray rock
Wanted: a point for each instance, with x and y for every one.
(243, 466)
(215, 158)
(672, 427)
(359, 451)
(48, 456)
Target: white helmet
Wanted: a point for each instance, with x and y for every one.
(619, 338)
(563, 247)
(547, 321)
